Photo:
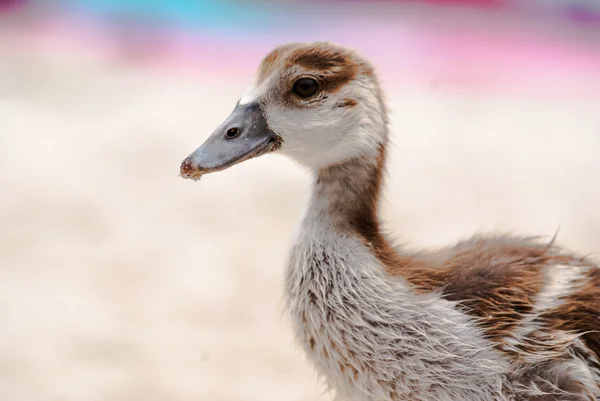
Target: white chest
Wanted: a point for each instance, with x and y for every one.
(373, 340)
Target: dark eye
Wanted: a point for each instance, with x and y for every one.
(305, 87)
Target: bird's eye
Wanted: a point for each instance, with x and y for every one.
(305, 87)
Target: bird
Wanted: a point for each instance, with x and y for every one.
(491, 318)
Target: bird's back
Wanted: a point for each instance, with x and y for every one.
(538, 305)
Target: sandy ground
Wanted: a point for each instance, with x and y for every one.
(121, 282)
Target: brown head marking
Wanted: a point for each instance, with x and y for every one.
(347, 103)
(333, 67)
(269, 63)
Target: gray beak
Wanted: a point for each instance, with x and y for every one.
(244, 135)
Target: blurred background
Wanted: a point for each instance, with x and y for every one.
(121, 282)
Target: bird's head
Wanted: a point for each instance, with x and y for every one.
(318, 103)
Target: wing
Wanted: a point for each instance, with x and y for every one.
(531, 299)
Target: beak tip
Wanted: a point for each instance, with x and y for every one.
(186, 165)
(189, 171)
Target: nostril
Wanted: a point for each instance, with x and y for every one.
(232, 133)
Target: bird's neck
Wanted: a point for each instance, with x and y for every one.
(347, 194)
(347, 308)
(345, 199)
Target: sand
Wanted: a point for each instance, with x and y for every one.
(120, 281)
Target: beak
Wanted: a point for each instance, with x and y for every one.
(244, 135)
